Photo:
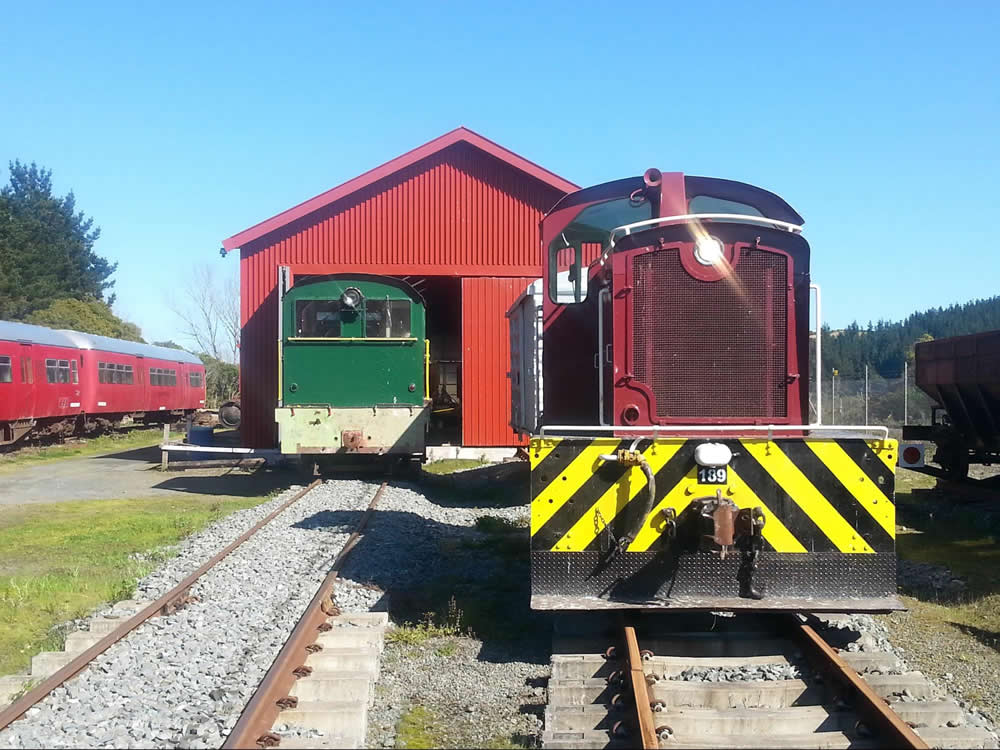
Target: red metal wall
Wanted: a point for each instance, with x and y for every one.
(459, 212)
(486, 359)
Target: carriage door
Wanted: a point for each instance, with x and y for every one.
(24, 376)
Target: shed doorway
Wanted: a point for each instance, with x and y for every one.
(443, 298)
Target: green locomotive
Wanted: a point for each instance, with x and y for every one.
(352, 367)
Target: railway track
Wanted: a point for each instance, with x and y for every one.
(322, 679)
(774, 682)
(105, 637)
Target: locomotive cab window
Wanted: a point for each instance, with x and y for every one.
(317, 318)
(6, 375)
(387, 318)
(582, 242)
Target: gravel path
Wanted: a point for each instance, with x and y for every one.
(182, 680)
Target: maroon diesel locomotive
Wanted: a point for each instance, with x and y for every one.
(661, 366)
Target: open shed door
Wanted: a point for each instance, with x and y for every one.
(486, 360)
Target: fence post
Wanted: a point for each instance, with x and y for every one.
(866, 395)
(166, 439)
(906, 403)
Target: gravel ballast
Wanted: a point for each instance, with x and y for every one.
(181, 680)
(469, 691)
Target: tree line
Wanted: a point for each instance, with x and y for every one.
(886, 346)
(51, 275)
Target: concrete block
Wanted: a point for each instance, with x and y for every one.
(345, 660)
(931, 713)
(341, 686)
(361, 620)
(104, 625)
(697, 722)
(80, 640)
(575, 666)
(763, 694)
(861, 661)
(11, 685)
(320, 743)
(957, 737)
(887, 684)
(352, 638)
(49, 662)
(345, 719)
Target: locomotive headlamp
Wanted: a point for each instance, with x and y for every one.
(351, 297)
(713, 454)
(709, 251)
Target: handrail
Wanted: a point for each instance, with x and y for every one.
(747, 218)
(656, 430)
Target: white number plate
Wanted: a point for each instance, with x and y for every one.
(713, 474)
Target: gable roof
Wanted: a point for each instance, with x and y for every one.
(460, 134)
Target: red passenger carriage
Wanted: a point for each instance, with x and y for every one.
(62, 382)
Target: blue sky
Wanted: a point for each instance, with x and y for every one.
(180, 124)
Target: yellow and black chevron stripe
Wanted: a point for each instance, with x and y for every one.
(818, 495)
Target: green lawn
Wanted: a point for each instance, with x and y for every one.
(60, 561)
(950, 534)
(111, 443)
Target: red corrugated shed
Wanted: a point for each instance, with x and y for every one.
(458, 206)
(486, 357)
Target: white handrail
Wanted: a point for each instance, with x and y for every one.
(656, 430)
(747, 218)
(819, 356)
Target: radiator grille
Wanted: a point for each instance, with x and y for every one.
(712, 349)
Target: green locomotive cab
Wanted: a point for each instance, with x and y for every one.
(352, 367)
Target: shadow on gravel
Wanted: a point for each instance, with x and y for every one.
(432, 570)
(233, 483)
(500, 486)
(989, 638)
(150, 454)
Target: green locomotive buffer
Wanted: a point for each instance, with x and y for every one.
(352, 379)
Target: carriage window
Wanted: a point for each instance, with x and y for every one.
(387, 318)
(128, 374)
(317, 318)
(57, 370)
(27, 374)
(6, 374)
(74, 376)
(194, 379)
(154, 376)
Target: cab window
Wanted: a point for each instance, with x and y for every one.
(582, 242)
(387, 318)
(317, 318)
(6, 375)
(706, 204)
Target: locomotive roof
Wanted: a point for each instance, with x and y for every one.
(12, 331)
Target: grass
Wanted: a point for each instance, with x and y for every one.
(954, 537)
(451, 465)
(61, 561)
(417, 728)
(111, 443)
(430, 626)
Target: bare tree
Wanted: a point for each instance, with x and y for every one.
(208, 305)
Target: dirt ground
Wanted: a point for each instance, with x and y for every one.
(132, 473)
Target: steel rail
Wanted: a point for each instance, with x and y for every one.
(161, 606)
(640, 692)
(253, 729)
(868, 704)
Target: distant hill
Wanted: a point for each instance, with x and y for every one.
(885, 346)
